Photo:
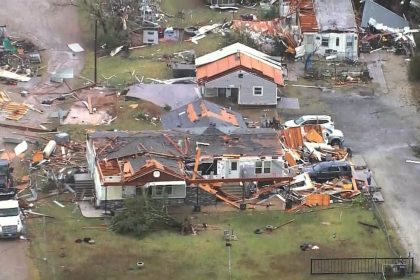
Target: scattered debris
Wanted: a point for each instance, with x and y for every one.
(75, 47)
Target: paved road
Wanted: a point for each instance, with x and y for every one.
(52, 28)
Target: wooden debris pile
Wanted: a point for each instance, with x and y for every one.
(15, 111)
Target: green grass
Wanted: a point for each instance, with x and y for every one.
(195, 13)
(147, 62)
(169, 255)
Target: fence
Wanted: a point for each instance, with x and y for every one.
(399, 266)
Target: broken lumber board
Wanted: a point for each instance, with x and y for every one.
(90, 108)
(38, 214)
(284, 224)
(368, 225)
(26, 128)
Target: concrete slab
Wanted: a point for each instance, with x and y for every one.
(88, 211)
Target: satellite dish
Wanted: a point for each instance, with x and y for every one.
(156, 174)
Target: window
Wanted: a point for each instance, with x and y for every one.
(333, 168)
(337, 42)
(240, 75)
(310, 122)
(168, 190)
(267, 167)
(262, 167)
(322, 121)
(349, 44)
(258, 91)
(258, 167)
(159, 190)
(234, 165)
(164, 190)
(325, 42)
(299, 121)
(345, 168)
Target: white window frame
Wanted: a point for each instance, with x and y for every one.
(266, 165)
(327, 39)
(262, 90)
(263, 166)
(258, 166)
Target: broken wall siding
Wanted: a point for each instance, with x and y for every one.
(246, 168)
(98, 186)
(246, 86)
(344, 44)
(90, 157)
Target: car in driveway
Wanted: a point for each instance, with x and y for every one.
(328, 170)
(323, 120)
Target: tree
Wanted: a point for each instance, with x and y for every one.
(141, 215)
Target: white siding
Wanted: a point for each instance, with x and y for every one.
(313, 41)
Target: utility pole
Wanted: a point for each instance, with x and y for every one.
(95, 49)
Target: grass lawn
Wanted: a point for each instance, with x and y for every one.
(196, 13)
(169, 255)
(147, 62)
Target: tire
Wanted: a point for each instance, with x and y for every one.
(336, 142)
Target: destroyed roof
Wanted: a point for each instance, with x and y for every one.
(177, 144)
(307, 18)
(381, 15)
(136, 154)
(201, 113)
(174, 95)
(336, 15)
(238, 56)
(272, 27)
(114, 145)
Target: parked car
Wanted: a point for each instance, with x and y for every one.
(328, 170)
(333, 137)
(323, 120)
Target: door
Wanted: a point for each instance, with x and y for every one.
(234, 94)
(350, 45)
(234, 169)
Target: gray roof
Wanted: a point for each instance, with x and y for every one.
(139, 146)
(179, 118)
(335, 15)
(381, 15)
(174, 95)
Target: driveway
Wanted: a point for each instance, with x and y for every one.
(382, 127)
(51, 28)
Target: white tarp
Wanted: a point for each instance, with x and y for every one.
(75, 47)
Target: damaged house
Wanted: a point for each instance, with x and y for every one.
(327, 27)
(242, 74)
(198, 116)
(159, 164)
